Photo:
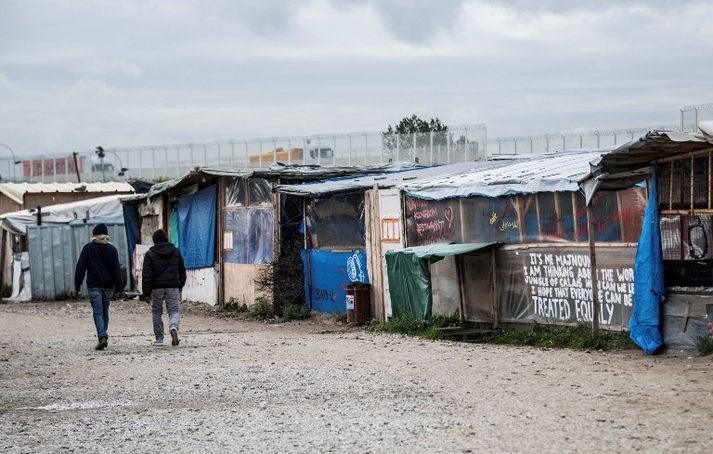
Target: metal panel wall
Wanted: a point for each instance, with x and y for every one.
(54, 250)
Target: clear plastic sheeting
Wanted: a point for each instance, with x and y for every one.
(685, 319)
(336, 222)
(260, 192)
(546, 217)
(446, 292)
(236, 194)
(553, 285)
(248, 235)
(240, 191)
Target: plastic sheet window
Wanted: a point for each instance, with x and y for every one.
(260, 192)
(336, 222)
(236, 194)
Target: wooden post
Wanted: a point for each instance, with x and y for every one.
(575, 224)
(537, 210)
(710, 174)
(593, 270)
(461, 290)
(372, 220)
(494, 285)
(691, 189)
(518, 209)
(219, 240)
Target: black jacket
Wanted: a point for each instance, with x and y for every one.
(163, 268)
(100, 262)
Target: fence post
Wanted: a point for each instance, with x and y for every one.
(430, 140)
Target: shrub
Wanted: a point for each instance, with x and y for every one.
(261, 309)
(551, 336)
(295, 312)
(234, 306)
(704, 345)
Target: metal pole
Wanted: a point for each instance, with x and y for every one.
(153, 163)
(350, 149)
(430, 140)
(14, 160)
(165, 162)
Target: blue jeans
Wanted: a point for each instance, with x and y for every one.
(100, 297)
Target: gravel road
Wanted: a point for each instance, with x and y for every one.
(317, 386)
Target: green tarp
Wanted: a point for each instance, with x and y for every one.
(410, 277)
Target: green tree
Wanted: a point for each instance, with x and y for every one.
(402, 133)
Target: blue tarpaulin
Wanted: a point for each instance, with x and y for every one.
(330, 272)
(131, 223)
(196, 227)
(649, 290)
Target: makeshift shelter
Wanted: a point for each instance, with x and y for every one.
(542, 271)
(410, 275)
(55, 236)
(20, 196)
(226, 224)
(680, 307)
(348, 225)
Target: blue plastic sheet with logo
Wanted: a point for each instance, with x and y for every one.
(329, 273)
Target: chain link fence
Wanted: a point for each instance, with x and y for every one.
(691, 116)
(161, 162)
(458, 144)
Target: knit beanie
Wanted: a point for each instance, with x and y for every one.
(159, 236)
(100, 229)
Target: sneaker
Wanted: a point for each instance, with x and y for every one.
(157, 343)
(174, 337)
(102, 344)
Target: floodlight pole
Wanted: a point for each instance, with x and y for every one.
(14, 161)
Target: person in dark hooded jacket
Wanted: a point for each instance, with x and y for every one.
(99, 261)
(163, 278)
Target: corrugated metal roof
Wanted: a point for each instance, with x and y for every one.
(294, 171)
(395, 179)
(17, 191)
(540, 173)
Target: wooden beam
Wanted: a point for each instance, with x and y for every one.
(670, 187)
(537, 210)
(593, 270)
(494, 288)
(683, 156)
(575, 224)
(693, 173)
(518, 209)
(219, 240)
(710, 180)
(461, 290)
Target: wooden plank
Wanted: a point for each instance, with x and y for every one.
(574, 216)
(537, 210)
(670, 188)
(693, 173)
(495, 297)
(461, 290)
(593, 270)
(219, 240)
(710, 178)
(683, 156)
(518, 209)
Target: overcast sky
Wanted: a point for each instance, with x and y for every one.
(76, 74)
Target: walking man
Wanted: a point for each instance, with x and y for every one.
(99, 260)
(163, 278)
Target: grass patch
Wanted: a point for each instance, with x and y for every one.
(549, 336)
(704, 345)
(295, 312)
(415, 326)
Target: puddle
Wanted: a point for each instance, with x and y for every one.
(87, 405)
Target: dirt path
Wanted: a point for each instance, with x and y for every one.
(238, 385)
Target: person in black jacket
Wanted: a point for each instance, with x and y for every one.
(163, 278)
(99, 260)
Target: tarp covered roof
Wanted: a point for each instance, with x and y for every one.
(99, 209)
(629, 163)
(293, 171)
(539, 173)
(17, 191)
(390, 180)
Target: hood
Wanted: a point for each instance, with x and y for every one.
(163, 248)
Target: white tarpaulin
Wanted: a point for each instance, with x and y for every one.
(17, 191)
(541, 173)
(101, 209)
